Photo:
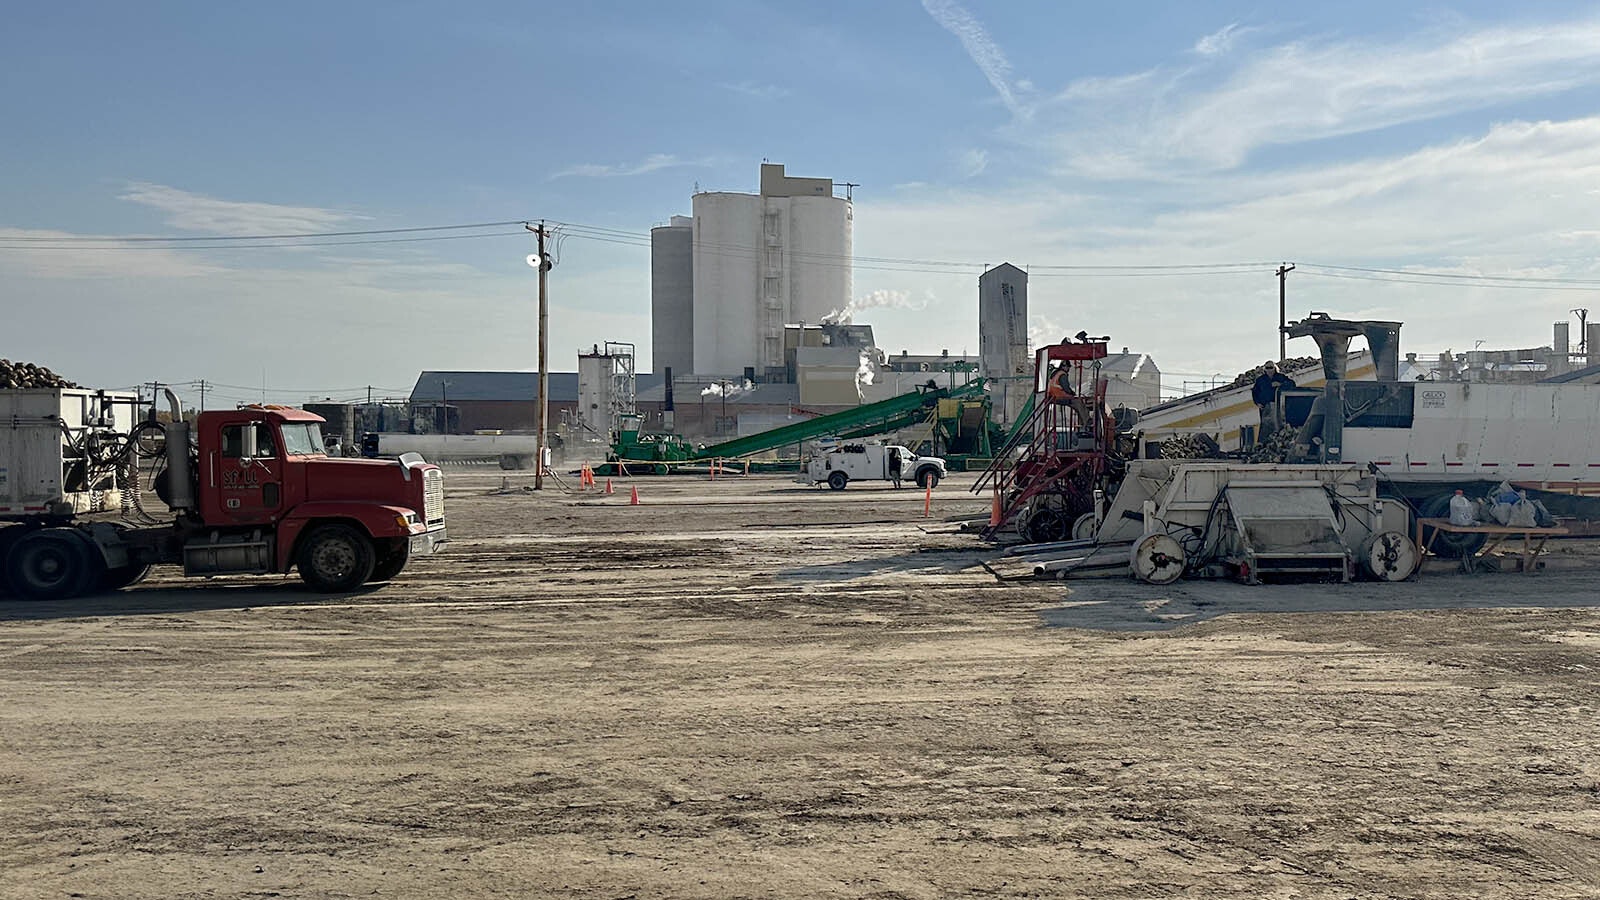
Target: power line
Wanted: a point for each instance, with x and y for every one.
(187, 247)
(266, 237)
(1504, 286)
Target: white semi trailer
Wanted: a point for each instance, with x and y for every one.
(512, 451)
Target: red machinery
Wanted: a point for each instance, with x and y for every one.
(1062, 453)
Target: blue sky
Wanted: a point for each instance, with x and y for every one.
(1455, 138)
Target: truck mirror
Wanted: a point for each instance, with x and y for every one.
(247, 441)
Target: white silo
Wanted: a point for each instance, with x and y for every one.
(762, 261)
(672, 296)
(727, 282)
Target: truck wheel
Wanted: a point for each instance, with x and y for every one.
(390, 566)
(124, 576)
(838, 480)
(335, 559)
(49, 564)
(927, 478)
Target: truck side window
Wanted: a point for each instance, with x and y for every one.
(233, 441)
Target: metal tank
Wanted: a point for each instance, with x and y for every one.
(1003, 356)
(672, 295)
(727, 282)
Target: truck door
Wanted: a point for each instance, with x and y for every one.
(249, 489)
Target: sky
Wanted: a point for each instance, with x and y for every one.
(1174, 153)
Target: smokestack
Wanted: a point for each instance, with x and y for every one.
(1562, 340)
(667, 373)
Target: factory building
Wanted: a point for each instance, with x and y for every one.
(1003, 339)
(757, 263)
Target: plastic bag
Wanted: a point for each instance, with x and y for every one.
(1523, 514)
(1461, 510)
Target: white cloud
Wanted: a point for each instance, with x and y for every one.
(1149, 122)
(652, 163)
(981, 48)
(1221, 41)
(1513, 200)
(973, 162)
(197, 212)
(49, 254)
(756, 90)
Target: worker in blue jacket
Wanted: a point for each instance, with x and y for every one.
(1269, 385)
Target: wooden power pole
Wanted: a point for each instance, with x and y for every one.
(1283, 317)
(541, 394)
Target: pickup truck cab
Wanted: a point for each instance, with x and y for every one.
(841, 464)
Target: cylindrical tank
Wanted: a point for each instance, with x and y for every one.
(341, 420)
(729, 254)
(672, 295)
(819, 243)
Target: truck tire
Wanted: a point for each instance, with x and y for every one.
(124, 576)
(391, 564)
(927, 478)
(50, 564)
(838, 480)
(335, 559)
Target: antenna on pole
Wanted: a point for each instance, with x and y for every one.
(849, 190)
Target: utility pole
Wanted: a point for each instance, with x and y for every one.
(1283, 317)
(542, 262)
(203, 386)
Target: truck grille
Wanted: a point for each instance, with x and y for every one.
(433, 497)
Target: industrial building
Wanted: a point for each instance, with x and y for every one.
(467, 402)
(727, 281)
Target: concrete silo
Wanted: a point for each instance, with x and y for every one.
(672, 296)
(762, 261)
(1003, 339)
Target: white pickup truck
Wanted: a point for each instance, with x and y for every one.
(843, 463)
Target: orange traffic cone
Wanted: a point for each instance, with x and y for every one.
(994, 511)
(608, 486)
(634, 500)
(713, 470)
(927, 503)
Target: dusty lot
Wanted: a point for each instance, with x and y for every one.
(749, 688)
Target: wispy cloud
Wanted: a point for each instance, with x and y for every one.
(982, 49)
(652, 163)
(974, 162)
(1305, 91)
(42, 253)
(756, 90)
(197, 212)
(1221, 41)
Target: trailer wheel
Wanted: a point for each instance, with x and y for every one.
(838, 480)
(335, 559)
(49, 564)
(928, 478)
(1447, 544)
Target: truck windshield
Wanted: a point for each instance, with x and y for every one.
(302, 439)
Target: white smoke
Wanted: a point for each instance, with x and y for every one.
(880, 299)
(726, 388)
(864, 375)
(1043, 331)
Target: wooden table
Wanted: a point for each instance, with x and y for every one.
(1533, 541)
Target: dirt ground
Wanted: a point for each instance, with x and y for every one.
(749, 688)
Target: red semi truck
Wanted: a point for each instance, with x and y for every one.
(248, 491)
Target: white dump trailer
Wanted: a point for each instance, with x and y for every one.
(512, 451)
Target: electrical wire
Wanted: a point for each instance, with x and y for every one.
(263, 237)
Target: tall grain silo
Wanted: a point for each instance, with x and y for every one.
(672, 295)
(1003, 356)
(762, 261)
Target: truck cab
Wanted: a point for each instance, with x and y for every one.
(264, 497)
(839, 464)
